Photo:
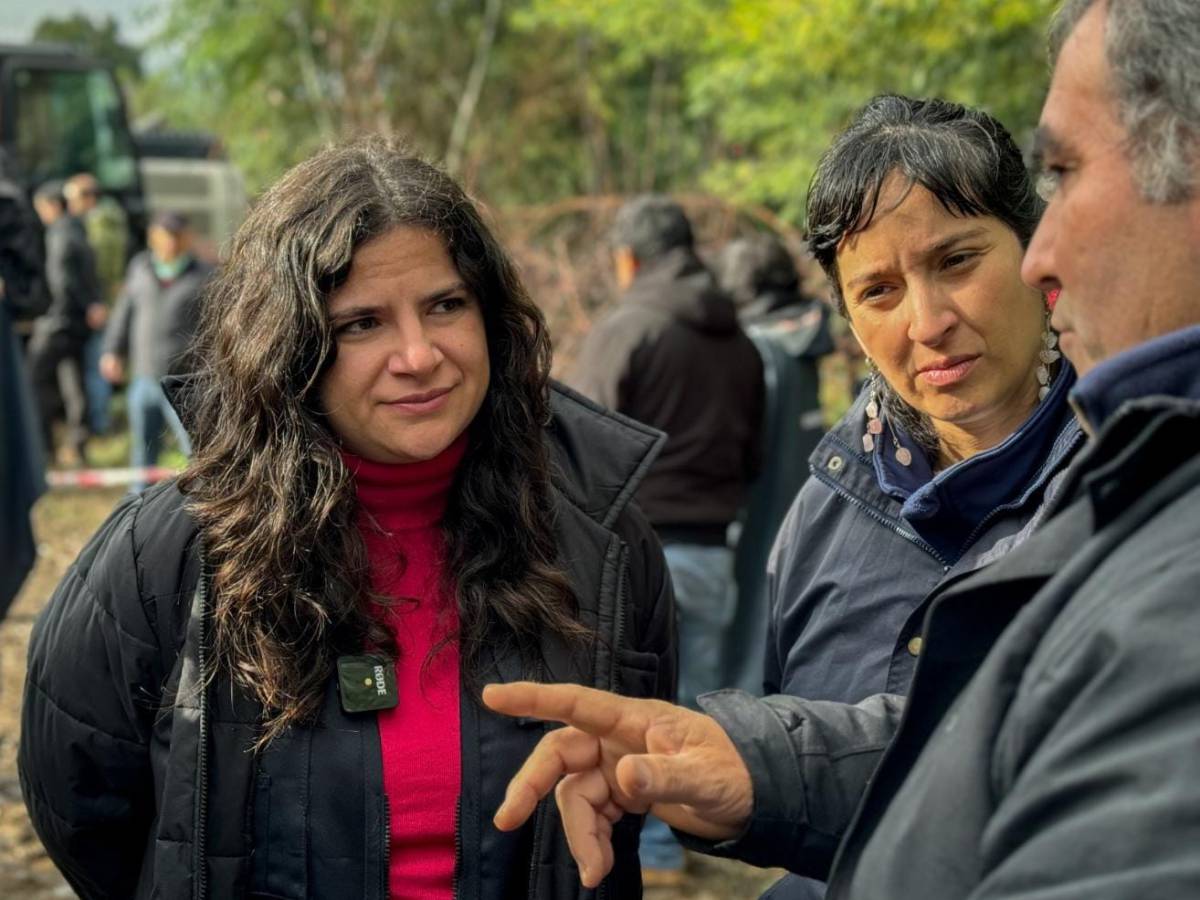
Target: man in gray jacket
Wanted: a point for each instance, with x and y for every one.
(150, 332)
(1050, 746)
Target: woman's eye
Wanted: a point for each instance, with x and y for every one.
(449, 304)
(357, 326)
(958, 260)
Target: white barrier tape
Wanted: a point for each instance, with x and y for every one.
(98, 478)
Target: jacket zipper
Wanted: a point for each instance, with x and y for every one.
(614, 684)
(539, 822)
(200, 821)
(386, 855)
(539, 676)
(880, 517)
(457, 845)
(539, 825)
(614, 675)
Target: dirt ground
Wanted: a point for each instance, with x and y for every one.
(63, 521)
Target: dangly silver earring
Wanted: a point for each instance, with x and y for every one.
(874, 425)
(875, 428)
(1047, 357)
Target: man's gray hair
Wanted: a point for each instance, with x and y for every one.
(1153, 51)
(650, 225)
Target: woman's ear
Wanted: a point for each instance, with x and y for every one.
(858, 340)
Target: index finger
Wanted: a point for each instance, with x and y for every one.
(598, 713)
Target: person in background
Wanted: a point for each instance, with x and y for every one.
(150, 332)
(23, 296)
(389, 505)
(107, 230)
(55, 350)
(673, 356)
(791, 332)
(1048, 744)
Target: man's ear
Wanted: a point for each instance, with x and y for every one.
(626, 265)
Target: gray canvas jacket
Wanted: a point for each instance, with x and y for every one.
(1050, 747)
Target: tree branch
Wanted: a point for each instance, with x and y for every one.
(474, 86)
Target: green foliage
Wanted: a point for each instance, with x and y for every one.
(783, 76)
(604, 97)
(96, 38)
(278, 78)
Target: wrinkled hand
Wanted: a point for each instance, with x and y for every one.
(112, 368)
(621, 755)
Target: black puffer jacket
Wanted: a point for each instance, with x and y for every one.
(141, 786)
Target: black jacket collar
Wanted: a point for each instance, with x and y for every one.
(600, 456)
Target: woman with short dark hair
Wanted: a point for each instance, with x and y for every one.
(919, 213)
(261, 679)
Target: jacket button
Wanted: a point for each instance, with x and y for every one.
(835, 464)
(915, 645)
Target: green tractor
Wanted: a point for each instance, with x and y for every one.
(62, 113)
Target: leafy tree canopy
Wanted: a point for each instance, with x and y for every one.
(535, 100)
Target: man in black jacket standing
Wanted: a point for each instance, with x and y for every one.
(56, 346)
(1050, 747)
(673, 356)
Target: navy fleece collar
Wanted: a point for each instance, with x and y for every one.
(948, 508)
(1164, 366)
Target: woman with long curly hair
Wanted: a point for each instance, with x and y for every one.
(261, 679)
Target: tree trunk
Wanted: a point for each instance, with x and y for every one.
(474, 86)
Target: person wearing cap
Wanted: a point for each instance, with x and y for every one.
(150, 331)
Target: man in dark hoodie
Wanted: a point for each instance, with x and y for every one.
(673, 356)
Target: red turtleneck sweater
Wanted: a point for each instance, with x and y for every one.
(400, 508)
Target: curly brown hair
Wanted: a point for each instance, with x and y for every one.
(275, 504)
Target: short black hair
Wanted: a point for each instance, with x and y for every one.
(52, 191)
(962, 156)
(650, 225)
(750, 267)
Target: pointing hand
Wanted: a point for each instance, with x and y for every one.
(620, 755)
